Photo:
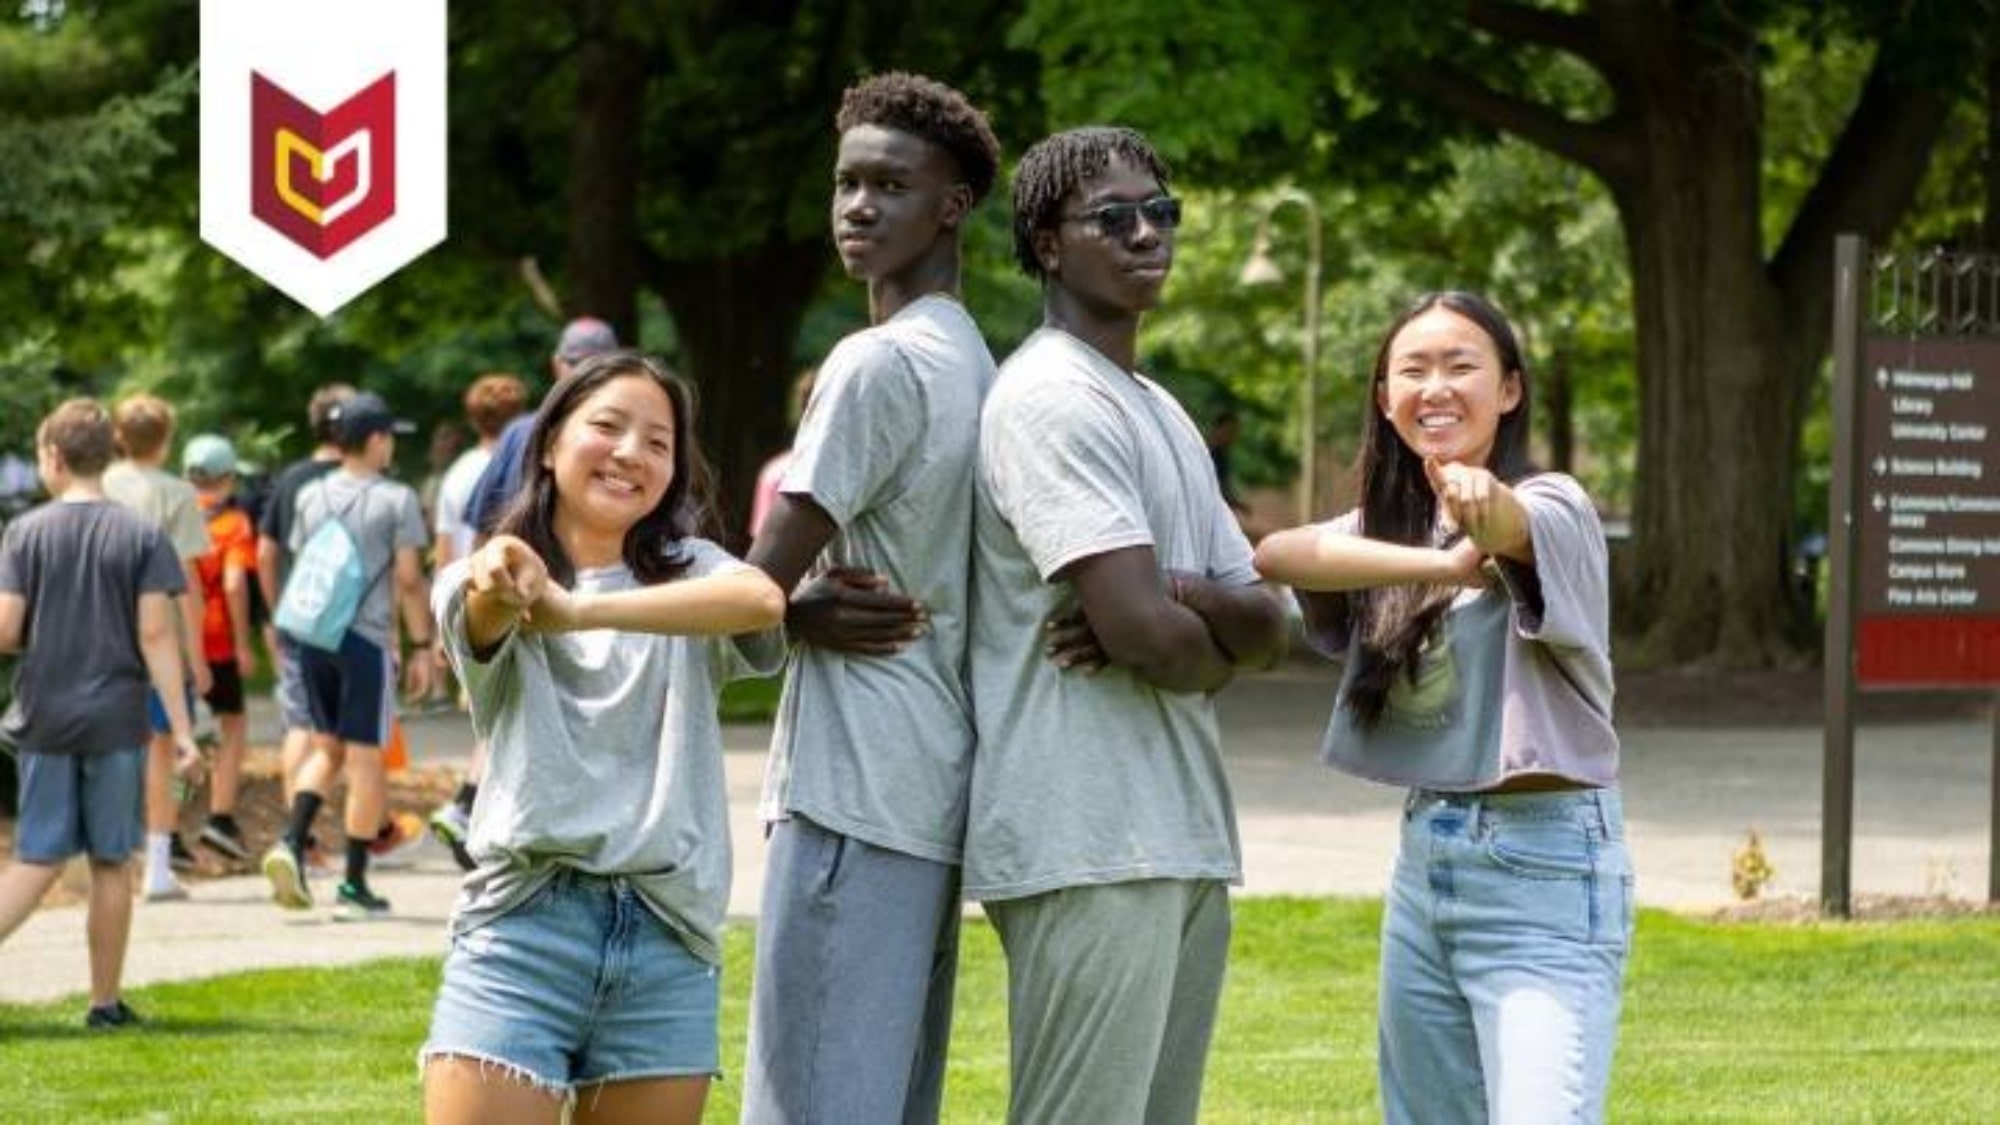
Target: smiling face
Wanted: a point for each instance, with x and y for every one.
(1444, 387)
(1104, 272)
(613, 459)
(894, 196)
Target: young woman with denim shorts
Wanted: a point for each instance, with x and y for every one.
(1468, 597)
(591, 634)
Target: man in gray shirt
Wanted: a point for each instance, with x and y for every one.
(1112, 595)
(351, 693)
(866, 791)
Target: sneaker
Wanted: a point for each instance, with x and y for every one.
(288, 880)
(393, 848)
(359, 904)
(179, 857)
(452, 826)
(109, 1017)
(226, 838)
(169, 891)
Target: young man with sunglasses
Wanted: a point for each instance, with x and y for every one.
(857, 940)
(1112, 596)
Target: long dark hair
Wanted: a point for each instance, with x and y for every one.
(654, 547)
(1398, 506)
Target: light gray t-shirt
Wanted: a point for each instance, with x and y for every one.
(162, 499)
(606, 756)
(880, 747)
(1519, 678)
(383, 516)
(1088, 779)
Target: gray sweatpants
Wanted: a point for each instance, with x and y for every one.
(1111, 997)
(850, 1011)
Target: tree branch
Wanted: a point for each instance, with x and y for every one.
(1865, 186)
(1576, 35)
(1600, 146)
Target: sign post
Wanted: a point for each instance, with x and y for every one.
(1914, 599)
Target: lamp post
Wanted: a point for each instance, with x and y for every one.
(1262, 269)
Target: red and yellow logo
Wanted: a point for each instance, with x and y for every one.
(323, 179)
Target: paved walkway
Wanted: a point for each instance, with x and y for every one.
(1691, 795)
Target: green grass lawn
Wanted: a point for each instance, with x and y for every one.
(1876, 1022)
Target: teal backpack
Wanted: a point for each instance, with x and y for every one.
(326, 586)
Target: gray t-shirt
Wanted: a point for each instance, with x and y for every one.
(81, 684)
(384, 516)
(879, 747)
(163, 500)
(1519, 678)
(606, 756)
(1088, 779)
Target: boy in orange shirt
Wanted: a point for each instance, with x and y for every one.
(209, 462)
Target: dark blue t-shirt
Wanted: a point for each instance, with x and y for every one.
(502, 478)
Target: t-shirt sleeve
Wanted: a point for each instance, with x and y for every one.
(410, 529)
(160, 570)
(14, 577)
(745, 654)
(490, 684)
(1062, 469)
(1329, 614)
(237, 542)
(864, 422)
(1564, 599)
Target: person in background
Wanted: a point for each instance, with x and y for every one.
(141, 482)
(227, 572)
(86, 595)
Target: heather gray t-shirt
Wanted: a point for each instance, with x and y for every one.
(606, 756)
(162, 499)
(81, 684)
(1088, 779)
(1518, 680)
(880, 747)
(383, 516)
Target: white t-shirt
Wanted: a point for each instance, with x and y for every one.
(454, 493)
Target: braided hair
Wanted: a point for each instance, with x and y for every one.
(1054, 167)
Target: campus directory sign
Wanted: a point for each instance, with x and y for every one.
(1913, 597)
(1928, 510)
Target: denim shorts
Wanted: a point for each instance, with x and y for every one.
(579, 985)
(72, 803)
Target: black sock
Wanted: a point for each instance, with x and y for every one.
(305, 806)
(467, 793)
(357, 864)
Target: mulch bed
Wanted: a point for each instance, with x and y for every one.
(261, 812)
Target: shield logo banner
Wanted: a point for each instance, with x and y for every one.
(323, 140)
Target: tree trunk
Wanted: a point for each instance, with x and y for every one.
(601, 263)
(1719, 415)
(738, 318)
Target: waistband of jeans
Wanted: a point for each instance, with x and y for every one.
(1603, 804)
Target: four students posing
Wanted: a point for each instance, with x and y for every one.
(1011, 599)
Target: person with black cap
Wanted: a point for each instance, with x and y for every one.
(351, 692)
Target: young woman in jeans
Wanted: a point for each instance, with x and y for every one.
(1468, 597)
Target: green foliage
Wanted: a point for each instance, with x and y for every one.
(1890, 1022)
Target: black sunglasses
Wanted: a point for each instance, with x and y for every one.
(1119, 220)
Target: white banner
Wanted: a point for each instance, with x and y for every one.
(323, 140)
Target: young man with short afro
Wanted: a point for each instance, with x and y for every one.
(857, 941)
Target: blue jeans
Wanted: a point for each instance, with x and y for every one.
(1503, 956)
